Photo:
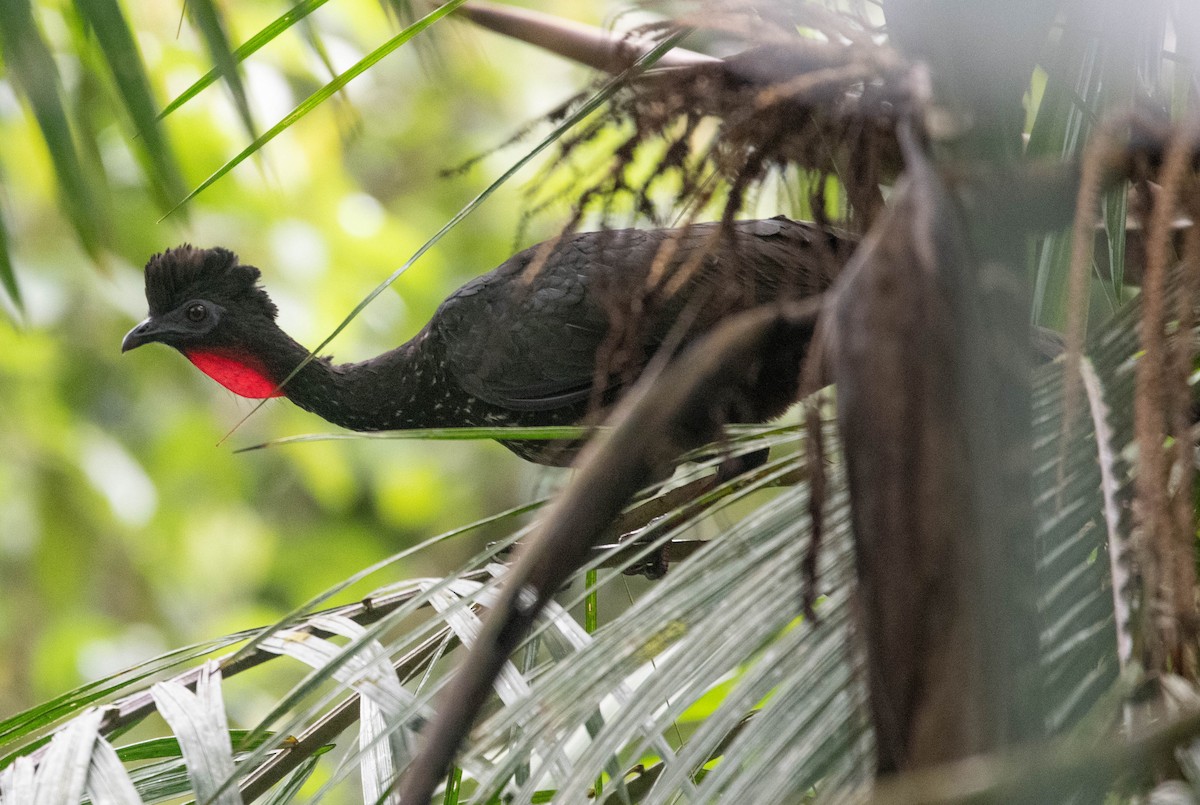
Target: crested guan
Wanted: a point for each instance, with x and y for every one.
(535, 345)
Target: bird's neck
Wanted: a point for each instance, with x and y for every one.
(382, 393)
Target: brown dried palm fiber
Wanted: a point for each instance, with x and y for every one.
(1183, 516)
(1169, 611)
(812, 378)
(1083, 236)
(827, 79)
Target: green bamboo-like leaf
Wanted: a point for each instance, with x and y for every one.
(288, 790)
(439, 434)
(208, 19)
(31, 67)
(161, 780)
(1060, 129)
(745, 437)
(245, 50)
(292, 702)
(323, 94)
(117, 41)
(23, 726)
(168, 748)
(8, 275)
(453, 786)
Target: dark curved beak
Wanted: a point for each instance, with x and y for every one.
(144, 333)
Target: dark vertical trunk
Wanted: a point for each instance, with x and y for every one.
(932, 364)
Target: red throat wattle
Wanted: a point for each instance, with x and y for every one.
(240, 373)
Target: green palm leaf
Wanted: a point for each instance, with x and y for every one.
(209, 20)
(245, 50)
(323, 94)
(108, 23)
(32, 68)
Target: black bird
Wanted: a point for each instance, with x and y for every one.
(544, 339)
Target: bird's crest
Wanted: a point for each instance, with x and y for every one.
(185, 272)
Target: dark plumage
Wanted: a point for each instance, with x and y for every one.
(543, 339)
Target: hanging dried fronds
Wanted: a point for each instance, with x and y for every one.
(1164, 506)
(824, 101)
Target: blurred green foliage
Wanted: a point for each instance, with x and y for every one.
(126, 526)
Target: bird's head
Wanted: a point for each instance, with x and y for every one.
(208, 306)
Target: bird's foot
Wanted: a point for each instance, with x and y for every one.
(653, 565)
(733, 466)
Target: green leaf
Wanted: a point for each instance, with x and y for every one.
(439, 434)
(168, 748)
(120, 49)
(245, 50)
(324, 93)
(453, 786)
(1060, 130)
(208, 19)
(32, 69)
(288, 790)
(8, 276)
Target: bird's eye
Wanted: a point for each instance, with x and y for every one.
(196, 312)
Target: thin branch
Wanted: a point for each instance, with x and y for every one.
(1160, 624)
(594, 47)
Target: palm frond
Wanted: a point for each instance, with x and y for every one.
(321, 95)
(211, 22)
(198, 721)
(248, 48)
(119, 45)
(30, 63)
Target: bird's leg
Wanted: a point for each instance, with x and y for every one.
(733, 466)
(655, 564)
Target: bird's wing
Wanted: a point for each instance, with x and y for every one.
(528, 337)
(523, 342)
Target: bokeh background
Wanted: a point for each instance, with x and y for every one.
(127, 526)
